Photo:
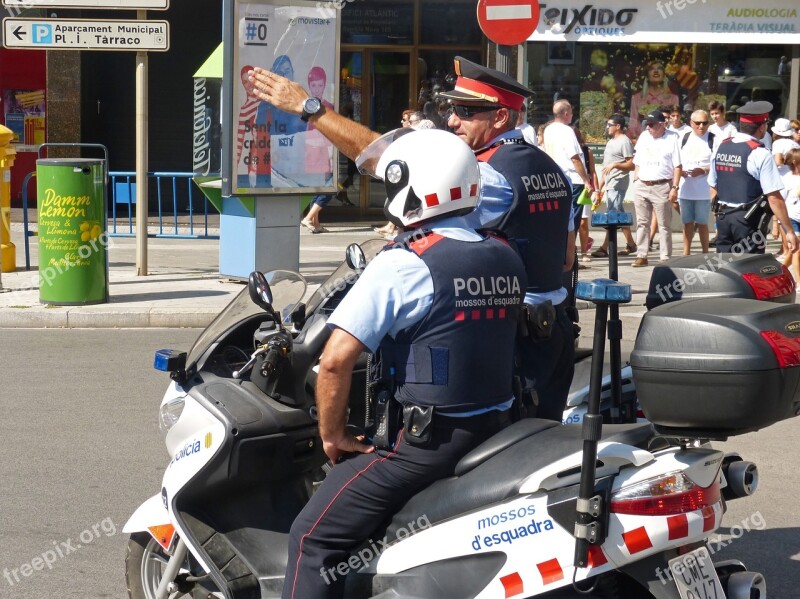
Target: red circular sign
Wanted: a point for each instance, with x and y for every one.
(508, 22)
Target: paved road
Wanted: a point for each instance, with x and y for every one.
(81, 450)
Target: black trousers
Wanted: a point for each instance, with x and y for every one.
(361, 492)
(548, 365)
(735, 234)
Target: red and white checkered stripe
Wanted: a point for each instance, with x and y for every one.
(456, 193)
(546, 573)
(625, 543)
(543, 206)
(482, 314)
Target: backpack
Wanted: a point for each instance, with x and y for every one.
(710, 140)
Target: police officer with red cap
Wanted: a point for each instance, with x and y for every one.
(742, 173)
(523, 193)
(527, 196)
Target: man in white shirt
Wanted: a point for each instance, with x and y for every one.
(694, 194)
(721, 128)
(657, 175)
(676, 123)
(561, 144)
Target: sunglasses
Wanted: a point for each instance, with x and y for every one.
(654, 123)
(466, 112)
(700, 123)
(612, 125)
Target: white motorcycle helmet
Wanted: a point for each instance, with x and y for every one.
(427, 174)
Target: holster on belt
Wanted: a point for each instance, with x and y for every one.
(418, 424)
(759, 214)
(536, 322)
(715, 205)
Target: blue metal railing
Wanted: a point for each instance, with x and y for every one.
(123, 186)
(123, 192)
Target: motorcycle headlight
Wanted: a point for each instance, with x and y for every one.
(170, 413)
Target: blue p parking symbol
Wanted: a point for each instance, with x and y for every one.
(42, 33)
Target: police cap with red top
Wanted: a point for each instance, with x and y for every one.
(482, 85)
(755, 112)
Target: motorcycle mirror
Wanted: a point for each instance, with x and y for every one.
(260, 292)
(355, 257)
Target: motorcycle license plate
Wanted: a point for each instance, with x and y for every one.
(695, 576)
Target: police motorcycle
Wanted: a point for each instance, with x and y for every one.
(539, 510)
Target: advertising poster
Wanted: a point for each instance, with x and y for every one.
(273, 151)
(25, 116)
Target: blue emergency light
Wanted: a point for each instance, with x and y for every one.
(612, 218)
(169, 360)
(603, 290)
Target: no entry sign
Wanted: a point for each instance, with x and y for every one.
(508, 22)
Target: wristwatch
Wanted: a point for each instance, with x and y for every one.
(674, 187)
(311, 106)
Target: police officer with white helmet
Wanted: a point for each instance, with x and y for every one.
(439, 308)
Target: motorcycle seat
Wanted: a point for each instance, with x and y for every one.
(500, 475)
(502, 440)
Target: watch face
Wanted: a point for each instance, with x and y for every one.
(312, 105)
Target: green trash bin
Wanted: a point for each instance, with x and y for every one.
(73, 262)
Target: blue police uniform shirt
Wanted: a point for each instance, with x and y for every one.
(495, 200)
(394, 292)
(760, 164)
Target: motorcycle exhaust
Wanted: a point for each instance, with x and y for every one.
(742, 479)
(746, 585)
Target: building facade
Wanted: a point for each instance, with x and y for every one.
(398, 54)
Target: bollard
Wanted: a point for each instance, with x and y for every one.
(8, 256)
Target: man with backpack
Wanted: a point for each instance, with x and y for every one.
(694, 193)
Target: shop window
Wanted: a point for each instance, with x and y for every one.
(378, 22)
(634, 79)
(449, 22)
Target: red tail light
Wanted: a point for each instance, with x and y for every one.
(786, 349)
(664, 496)
(766, 288)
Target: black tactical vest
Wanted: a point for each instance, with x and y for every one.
(537, 222)
(734, 184)
(460, 356)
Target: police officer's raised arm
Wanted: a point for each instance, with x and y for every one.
(347, 135)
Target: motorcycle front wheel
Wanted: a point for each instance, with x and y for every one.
(145, 562)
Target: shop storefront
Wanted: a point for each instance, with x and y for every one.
(398, 54)
(605, 58)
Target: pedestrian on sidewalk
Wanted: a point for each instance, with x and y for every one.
(311, 221)
(614, 178)
(791, 194)
(657, 174)
(694, 194)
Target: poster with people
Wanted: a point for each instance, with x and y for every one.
(273, 151)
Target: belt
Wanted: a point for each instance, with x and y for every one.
(656, 182)
(728, 208)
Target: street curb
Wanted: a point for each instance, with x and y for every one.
(79, 318)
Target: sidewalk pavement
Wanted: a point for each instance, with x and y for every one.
(184, 288)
